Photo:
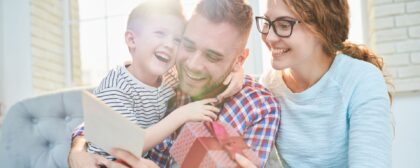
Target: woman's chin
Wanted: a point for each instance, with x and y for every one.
(279, 65)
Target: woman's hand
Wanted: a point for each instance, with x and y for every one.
(234, 80)
(128, 160)
(244, 162)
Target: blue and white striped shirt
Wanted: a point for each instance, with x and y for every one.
(142, 104)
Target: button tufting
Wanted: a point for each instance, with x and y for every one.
(34, 120)
(49, 144)
(67, 118)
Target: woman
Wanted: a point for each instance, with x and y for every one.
(333, 94)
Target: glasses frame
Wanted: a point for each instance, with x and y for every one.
(271, 24)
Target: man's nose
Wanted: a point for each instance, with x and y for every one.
(195, 62)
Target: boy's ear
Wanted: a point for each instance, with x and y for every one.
(129, 39)
(241, 60)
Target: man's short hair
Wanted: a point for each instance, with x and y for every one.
(235, 12)
(161, 7)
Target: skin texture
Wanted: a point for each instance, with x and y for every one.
(305, 62)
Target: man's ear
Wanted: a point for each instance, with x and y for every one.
(241, 60)
(129, 39)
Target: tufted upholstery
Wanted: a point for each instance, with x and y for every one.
(37, 131)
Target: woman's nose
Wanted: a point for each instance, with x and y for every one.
(271, 35)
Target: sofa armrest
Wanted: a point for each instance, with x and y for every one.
(36, 132)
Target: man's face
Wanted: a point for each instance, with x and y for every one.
(206, 56)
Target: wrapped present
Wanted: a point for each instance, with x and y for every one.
(210, 144)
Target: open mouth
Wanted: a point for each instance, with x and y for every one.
(280, 51)
(162, 57)
(194, 77)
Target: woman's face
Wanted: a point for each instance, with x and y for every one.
(289, 52)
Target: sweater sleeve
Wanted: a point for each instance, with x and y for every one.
(370, 125)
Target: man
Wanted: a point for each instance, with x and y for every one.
(213, 45)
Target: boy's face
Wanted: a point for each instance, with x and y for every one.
(155, 42)
(207, 54)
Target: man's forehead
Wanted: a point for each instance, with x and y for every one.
(205, 33)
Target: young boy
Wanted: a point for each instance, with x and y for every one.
(140, 91)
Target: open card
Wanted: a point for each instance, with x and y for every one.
(107, 129)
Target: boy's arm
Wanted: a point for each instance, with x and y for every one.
(196, 111)
(156, 133)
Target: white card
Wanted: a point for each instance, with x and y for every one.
(108, 129)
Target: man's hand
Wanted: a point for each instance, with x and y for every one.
(78, 157)
(128, 160)
(83, 159)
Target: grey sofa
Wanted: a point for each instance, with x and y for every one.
(36, 132)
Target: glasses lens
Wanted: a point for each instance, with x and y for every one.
(263, 25)
(283, 27)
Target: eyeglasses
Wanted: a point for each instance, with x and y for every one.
(282, 27)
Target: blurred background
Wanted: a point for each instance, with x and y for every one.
(50, 45)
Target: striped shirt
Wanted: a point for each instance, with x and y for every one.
(142, 104)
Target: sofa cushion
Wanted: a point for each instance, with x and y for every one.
(37, 132)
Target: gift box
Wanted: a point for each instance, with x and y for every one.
(210, 144)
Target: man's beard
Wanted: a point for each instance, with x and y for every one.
(208, 91)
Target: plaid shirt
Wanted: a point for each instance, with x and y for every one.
(253, 111)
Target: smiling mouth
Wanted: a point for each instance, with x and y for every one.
(193, 77)
(278, 51)
(162, 57)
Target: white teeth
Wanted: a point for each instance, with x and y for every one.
(279, 51)
(193, 77)
(162, 57)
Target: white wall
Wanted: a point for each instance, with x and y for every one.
(396, 33)
(16, 55)
(1, 54)
(357, 22)
(254, 64)
(406, 146)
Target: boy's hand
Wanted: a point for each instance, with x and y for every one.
(234, 80)
(198, 111)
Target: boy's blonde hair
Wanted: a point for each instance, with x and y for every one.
(161, 7)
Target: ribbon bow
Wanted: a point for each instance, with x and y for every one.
(230, 144)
